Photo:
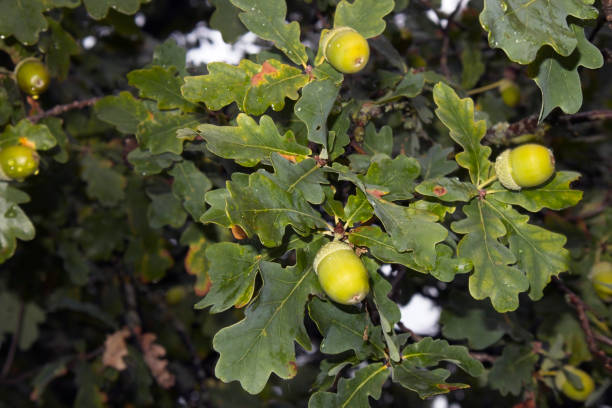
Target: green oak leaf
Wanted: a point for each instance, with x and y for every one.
(267, 19)
(98, 9)
(434, 207)
(492, 277)
(479, 328)
(396, 177)
(170, 54)
(557, 76)
(380, 245)
(14, 223)
(122, 111)
(380, 142)
(166, 209)
(223, 85)
(388, 311)
(162, 85)
(540, 253)
(158, 133)
(147, 164)
(313, 108)
(427, 353)
(522, 27)
(411, 230)
(357, 209)
(232, 269)
(50, 4)
(364, 16)
(305, 177)
(354, 392)
(410, 85)
(263, 342)
(61, 45)
(447, 189)
(458, 116)
(104, 183)
(265, 209)
(555, 194)
(216, 213)
(435, 162)
(37, 136)
(249, 143)
(56, 127)
(23, 19)
(513, 369)
(343, 331)
(190, 185)
(473, 67)
(225, 19)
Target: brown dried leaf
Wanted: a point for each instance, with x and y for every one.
(153, 354)
(115, 349)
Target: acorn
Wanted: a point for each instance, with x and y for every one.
(346, 50)
(528, 165)
(341, 273)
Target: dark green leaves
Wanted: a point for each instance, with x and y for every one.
(521, 27)
(160, 84)
(458, 115)
(365, 16)
(428, 353)
(122, 111)
(249, 143)
(14, 224)
(23, 19)
(265, 209)
(493, 276)
(232, 269)
(313, 108)
(266, 18)
(513, 369)
(354, 392)
(263, 342)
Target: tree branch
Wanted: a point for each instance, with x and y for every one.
(530, 123)
(606, 7)
(59, 109)
(14, 341)
(581, 308)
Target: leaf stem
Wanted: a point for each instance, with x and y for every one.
(485, 88)
(487, 182)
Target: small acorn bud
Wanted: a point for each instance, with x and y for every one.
(528, 165)
(341, 273)
(346, 50)
(601, 276)
(510, 92)
(566, 387)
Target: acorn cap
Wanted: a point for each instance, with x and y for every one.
(327, 249)
(503, 170)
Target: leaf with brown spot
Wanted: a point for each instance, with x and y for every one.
(266, 68)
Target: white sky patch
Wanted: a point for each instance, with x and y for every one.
(439, 402)
(140, 19)
(421, 315)
(206, 45)
(89, 42)
(447, 7)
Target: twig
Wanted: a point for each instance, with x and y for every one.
(603, 339)
(14, 341)
(59, 109)
(581, 308)
(606, 7)
(446, 40)
(530, 123)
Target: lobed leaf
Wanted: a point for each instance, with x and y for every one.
(313, 108)
(458, 116)
(492, 277)
(522, 27)
(23, 19)
(364, 16)
(266, 18)
(513, 369)
(14, 223)
(162, 85)
(248, 143)
(263, 342)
